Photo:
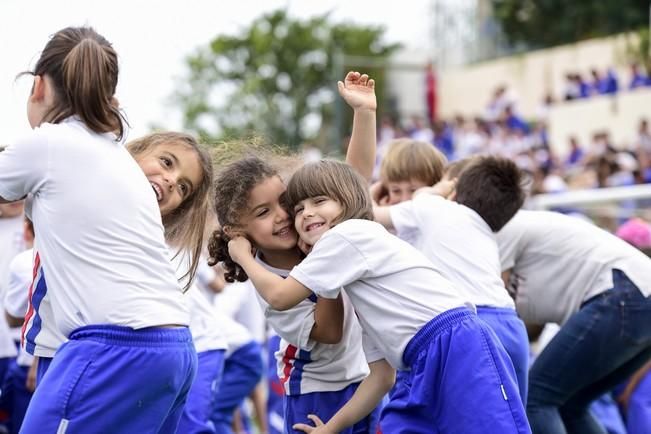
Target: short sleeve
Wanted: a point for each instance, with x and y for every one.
(17, 293)
(403, 218)
(24, 166)
(333, 263)
(371, 351)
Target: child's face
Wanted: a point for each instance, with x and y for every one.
(267, 223)
(400, 191)
(314, 216)
(174, 172)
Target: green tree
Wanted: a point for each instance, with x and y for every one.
(277, 78)
(545, 23)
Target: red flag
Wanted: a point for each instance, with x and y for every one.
(430, 92)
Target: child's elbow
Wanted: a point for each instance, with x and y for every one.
(279, 303)
(328, 336)
(388, 381)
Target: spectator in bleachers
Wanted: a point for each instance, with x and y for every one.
(513, 121)
(576, 154)
(639, 78)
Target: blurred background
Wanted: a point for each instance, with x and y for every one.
(558, 86)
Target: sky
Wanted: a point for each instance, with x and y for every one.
(153, 37)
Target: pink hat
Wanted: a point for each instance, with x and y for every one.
(637, 232)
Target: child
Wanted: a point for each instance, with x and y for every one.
(320, 367)
(459, 239)
(432, 333)
(565, 270)
(113, 290)
(409, 165)
(17, 387)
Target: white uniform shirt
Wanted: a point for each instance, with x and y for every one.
(558, 262)
(237, 300)
(204, 326)
(394, 288)
(458, 242)
(11, 244)
(306, 366)
(17, 295)
(235, 334)
(98, 227)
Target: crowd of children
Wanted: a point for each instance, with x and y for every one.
(403, 306)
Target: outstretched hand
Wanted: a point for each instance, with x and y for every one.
(239, 248)
(318, 428)
(359, 91)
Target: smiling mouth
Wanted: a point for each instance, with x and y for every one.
(158, 191)
(313, 226)
(283, 232)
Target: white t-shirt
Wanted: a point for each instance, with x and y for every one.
(17, 295)
(458, 242)
(237, 300)
(204, 326)
(306, 366)
(235, 334)
(394, 288)
(558, 262)
(11, 244)
(99, 228)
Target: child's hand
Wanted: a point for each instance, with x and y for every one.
(379, 193)
(445, 188)
(304, 247)
(239, 248)
(318, 428)
(358, 91)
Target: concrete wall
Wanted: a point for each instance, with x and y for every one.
(530, 76)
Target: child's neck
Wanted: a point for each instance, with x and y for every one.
(282, 259)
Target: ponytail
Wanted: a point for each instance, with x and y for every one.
(218, 251)
(83, 67)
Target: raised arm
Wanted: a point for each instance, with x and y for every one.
(359, 92)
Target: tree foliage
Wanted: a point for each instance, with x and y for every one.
(544, 23)
(277, 78)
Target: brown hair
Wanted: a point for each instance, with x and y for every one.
(184, 226)
(233, 188)
(83, 68)
(335, 180)
(409, 159)
(454, 169)
(494, 188)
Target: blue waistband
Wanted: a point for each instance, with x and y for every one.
(440, 322)
(496, 310)
(118, 335)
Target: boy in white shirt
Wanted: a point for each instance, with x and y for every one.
(458, 237)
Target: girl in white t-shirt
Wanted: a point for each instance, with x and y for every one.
(319, 366)
(413, 318)
(177, 159)
(113, 290)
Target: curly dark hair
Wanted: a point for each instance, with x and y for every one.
(233, 187)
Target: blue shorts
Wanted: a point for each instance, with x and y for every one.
(42, 367)
(512, 333)
(325, 405)
(111, 379)
(15, 396)
(460, 381)
(638, 416)
(242, 372)
(196, 414)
